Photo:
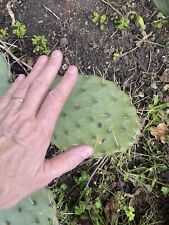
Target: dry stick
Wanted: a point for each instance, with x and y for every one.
(51, 12)
(10, 12)
(114, 9)
(8, 51)
(138, 44)
(101, 164)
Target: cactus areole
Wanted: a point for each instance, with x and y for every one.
(97, 113)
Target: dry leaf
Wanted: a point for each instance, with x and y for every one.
(165, 76)
(110, 211)
(160, 132)
(166, 87)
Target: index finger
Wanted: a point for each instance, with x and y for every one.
(56, 98)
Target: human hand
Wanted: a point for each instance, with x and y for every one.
(28, 113)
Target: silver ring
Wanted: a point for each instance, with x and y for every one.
(18, 99)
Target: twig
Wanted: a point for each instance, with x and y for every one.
(101, 163)
(110, 5)
(138, 45)
(51, 12)
(10, 12)
(8, 51)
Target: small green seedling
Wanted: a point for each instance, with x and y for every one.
(80, 208)
(40, 44)
(160, 22)
(19, 29)
(117, 55)
(122, 23)
(4, 34)
(103, 21)
(139, 19)
(99, 19)
(156, 112)
(96, 17)
(130, 212)
(165, 190)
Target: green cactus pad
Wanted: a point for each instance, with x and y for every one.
(97, 113)
(39, 209)
(163, 6)
(4, 75)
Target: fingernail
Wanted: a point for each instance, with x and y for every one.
(87, 152)
(21, 77)
(42, 59)
(72, 70)
(56, 54)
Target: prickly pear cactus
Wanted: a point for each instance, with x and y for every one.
(39, 209)
(163, 6)
(4, 75)
(97, 113)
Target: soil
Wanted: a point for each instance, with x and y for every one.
(68, 26)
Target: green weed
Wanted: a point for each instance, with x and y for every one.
(161, 21)
(130, 212)
(165, 190)
(156, 112)
(4, 34)
(19, 29)
(122, 23)
(40, 44)
(117, 55)
(99, 19)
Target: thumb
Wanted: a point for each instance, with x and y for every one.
(65, 162)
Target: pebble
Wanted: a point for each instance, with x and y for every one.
(64, 42)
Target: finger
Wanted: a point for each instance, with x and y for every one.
(64, 162)
(40, 86)
(37, 68)
(56, 99)
(22, 90)
(7, 98)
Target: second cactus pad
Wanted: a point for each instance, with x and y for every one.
(38, 209)
(97, 113)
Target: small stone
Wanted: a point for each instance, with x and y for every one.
(154, 86)
(141, 95)
(165, 76)
(65, 66)
(64, 42)
(166, 87)
(86, 23)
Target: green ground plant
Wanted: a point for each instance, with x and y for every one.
(117, 54)
(4, 34)
(19, 29)
(122, 23)
(161, 21)
(99, 19)
(40, 44)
